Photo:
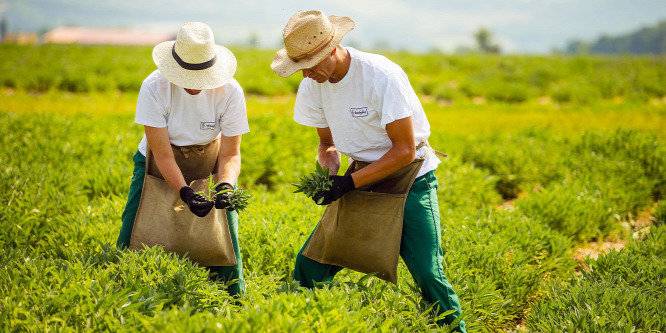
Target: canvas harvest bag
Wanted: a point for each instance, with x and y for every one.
(362, 230)
(164, 219)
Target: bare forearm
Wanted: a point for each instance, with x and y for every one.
(402, 152)
(329, 157)
(158, 140)
(170, 172)
(228, 168)
(392, 161)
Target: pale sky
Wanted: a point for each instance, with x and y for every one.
(519, 26)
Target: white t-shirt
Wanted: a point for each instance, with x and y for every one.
(375, 92)
(191, 119)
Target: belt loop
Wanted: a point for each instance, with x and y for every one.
(199, 150)
(185, 150)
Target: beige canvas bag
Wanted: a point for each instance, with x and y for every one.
(163, 219)
(362, 230)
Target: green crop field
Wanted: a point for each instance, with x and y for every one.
(547, 156)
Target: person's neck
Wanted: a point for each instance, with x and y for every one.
(343, 61)
(192, 91)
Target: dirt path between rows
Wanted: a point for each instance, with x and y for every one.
(639, 227)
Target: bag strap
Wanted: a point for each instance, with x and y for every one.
(425, 143)
(198, 149)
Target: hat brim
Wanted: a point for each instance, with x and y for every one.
(216, 76)
(282, 64)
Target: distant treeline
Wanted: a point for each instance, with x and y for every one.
(648, 40)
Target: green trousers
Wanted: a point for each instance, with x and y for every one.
(420, 249)
(217, 273)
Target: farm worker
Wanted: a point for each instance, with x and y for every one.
(362, 105)
(191, 100)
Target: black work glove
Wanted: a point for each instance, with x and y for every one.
(340, 186)
(222, 199)
(198, 205)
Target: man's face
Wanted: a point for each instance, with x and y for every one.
(322, 71)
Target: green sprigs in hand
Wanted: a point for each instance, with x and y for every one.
(316, 182)
(212, 192)
(238, 200)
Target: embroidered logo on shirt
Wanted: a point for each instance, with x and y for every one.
(359, 112)
(207, 125)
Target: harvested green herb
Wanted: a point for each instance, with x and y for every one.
(317, 181)
(238, 200)
(210, 196)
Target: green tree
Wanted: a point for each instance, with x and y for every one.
(484, 39)
(647, 40)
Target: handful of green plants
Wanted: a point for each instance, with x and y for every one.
(238, 199)
(317, 181)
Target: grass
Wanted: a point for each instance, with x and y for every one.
(621, 292)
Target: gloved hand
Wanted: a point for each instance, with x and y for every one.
(340, 186)
(198, 205)
(222, 199)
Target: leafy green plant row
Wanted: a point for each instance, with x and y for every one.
(500, 261)
(620, 292)
(581, 187)
(59, 213)
(74, 68)
(59, 208)
(513, 79)
(507, 79)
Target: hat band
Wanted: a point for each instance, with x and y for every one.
(316, 50)
(192, 67)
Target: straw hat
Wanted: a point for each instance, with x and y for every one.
(193, 61)
(308, 38)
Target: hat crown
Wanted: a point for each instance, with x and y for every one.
(195, 43)
(306, 31)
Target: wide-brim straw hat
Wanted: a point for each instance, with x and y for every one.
(193, 60)
(308, 38)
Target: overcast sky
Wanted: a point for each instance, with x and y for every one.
(519, 26)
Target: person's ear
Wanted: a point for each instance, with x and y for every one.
(334, 50)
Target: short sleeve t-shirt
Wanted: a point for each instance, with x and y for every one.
(191, 119)
(375, 92)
